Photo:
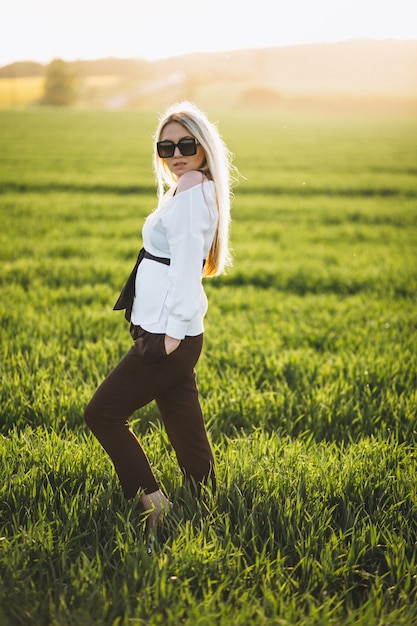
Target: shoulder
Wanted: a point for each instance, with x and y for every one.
(190, 179)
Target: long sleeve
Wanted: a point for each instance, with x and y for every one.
(187, 226)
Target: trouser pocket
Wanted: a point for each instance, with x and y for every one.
(150, 346)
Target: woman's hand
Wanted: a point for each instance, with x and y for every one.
(171, 344)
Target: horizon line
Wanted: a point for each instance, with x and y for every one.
(209, 52)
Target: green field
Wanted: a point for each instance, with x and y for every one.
(308, 379)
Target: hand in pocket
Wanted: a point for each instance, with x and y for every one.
(150, 346)
(171, 344)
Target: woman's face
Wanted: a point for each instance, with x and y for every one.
(179, 164)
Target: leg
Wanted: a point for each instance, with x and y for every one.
(183, 419)
(143, 373)
(107, 414)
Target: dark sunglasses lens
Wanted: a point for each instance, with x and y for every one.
(165, 149)
(187, 147)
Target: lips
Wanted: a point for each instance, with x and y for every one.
(179, 165)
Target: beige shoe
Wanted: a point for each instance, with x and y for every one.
(156, 504)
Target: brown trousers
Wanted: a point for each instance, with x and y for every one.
(144, 374)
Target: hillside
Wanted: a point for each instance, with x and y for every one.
(360, 66)
(354, 69)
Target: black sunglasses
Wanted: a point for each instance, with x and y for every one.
(187, 147)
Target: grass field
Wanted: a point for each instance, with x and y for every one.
(308, 379)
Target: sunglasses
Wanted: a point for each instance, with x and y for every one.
(187, 147)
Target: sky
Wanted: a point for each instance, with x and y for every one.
(41, 30)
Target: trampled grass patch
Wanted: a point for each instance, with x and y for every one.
(307, 380)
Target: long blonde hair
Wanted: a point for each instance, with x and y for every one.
(218, 168)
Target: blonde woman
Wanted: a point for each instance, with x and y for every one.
(185, 239)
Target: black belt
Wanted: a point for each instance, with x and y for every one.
(125, 300)
(158, 259)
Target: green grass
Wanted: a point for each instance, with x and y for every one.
(307, 380)
(327, 528)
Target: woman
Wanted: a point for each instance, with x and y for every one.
(184, 239)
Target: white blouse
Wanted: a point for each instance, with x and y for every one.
(170, 299)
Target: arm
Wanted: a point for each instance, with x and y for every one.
(188, 180)
(187, 227)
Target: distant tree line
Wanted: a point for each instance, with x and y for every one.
(60, 84)
(62, 78)
(98, 67)
(21, 69)
(358, 68)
